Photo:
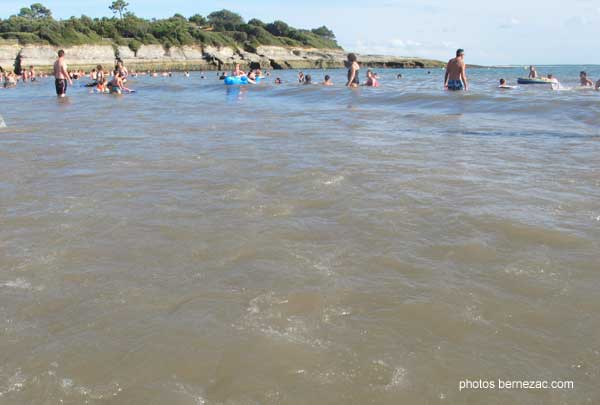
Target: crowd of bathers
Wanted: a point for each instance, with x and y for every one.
(11, 79)
(113, 81)
(254, 75)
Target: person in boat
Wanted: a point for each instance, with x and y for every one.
(456, 73)
(327, 81)
(371, 79)
(584, 81)
(532, 72)
(353, 71)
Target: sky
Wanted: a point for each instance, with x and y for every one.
(508, 32)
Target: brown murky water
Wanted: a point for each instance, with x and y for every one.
(196, 245)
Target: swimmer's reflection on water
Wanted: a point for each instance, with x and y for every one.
(235, 94)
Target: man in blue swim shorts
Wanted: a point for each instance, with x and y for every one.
(456, 73)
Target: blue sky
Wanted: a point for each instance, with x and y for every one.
(505, 32)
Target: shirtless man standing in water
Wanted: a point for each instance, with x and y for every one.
(456, 73)
(61, 75)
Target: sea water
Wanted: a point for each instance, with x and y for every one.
(201, 244)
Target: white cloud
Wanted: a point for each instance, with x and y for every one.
(403, 47)
(512, 22)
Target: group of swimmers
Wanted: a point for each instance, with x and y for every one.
(116, 85)
(10, 79)
(372, 79)
(455, 78)
(585, 81)
(100, 82)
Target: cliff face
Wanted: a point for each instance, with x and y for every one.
(153, 57)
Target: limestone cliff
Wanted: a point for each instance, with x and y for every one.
(155, 57)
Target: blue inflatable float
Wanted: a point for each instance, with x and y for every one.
(239, 80)
(541, 80)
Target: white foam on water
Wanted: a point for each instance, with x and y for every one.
(333, 180)
(189, 392)
(266, 315)
(2, 123)
(70, 389)
(398, 378)
(19, 283)
(387, 376)
(14, 383)
(472, 315)
(333, 313)
(66, 383)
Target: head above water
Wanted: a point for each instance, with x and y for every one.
(460, 53)
(502, 82)
(583, 74)
(308, 79)
(327, 78)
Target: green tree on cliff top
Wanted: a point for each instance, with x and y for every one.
(35, 25)
(225, 20)
(119, 7)
(35, 11)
